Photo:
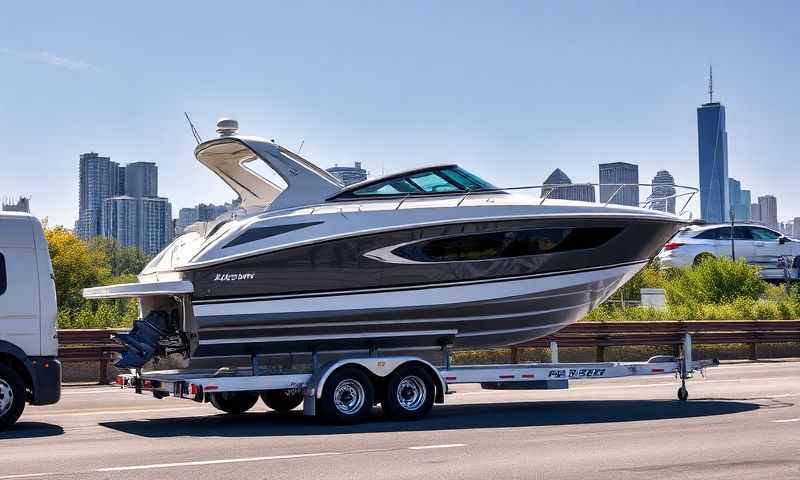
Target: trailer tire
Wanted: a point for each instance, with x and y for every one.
(12, 396)
(284, 400)
(347, 397)
(234, 402)
(410, 393)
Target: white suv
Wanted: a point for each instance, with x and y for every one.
(758, 245)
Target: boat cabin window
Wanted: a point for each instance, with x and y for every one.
(515, 243)
(436, 180)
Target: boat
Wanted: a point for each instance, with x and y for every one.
(411, 260)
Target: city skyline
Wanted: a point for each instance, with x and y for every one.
(511, 129)
(122, 202)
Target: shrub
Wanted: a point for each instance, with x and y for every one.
(648, 277)
(715, 280)
(100, 314)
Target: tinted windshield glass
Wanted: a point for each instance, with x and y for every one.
(437, 180)
(432, 182)
(389, 187)
(467, 180)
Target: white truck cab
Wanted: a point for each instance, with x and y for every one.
(29, 370)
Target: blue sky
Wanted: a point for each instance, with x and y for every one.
(510, 90)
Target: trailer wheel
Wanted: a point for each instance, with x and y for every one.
(347, 397)
(410, 393)
(234, 402)
(683, 394)
(12, 396)
(282, 400)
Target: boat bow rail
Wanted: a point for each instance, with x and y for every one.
(657, 199)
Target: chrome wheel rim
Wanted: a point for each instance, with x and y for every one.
(349, 396)
(6, 397)
(411, 393)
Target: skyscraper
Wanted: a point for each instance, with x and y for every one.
(142, 221)
(796, 227)
(141, 179)
(768, 206)
(612, 178)
(663, 188)
(349, 175)
(739, 200)
(122, 203)
(744, 205)
(583, 192)
(712, 143)
(99, 180)
(755, 213)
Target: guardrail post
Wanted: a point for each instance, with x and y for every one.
(514, 355)
(601, 354)
(103, 373)
(754, 351)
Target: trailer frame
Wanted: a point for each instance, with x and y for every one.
(199, 385)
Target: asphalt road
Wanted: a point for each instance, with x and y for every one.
(742, 421)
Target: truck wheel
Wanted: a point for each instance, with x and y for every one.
(347, 397)
(410, 392)
(282, 400)
(234, 402)
(12, 396)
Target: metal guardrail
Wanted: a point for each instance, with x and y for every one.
(97, 346)
(601, 335)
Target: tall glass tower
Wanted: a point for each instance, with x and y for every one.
(619, 183)
(712, 143)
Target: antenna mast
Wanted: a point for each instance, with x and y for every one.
(710, 85)
(194, 130)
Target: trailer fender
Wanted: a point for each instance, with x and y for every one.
(378, 366)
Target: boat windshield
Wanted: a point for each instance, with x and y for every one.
(435, 180)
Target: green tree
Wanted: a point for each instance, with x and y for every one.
(121, 260)
(75, 266)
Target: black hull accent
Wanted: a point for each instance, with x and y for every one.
(337, 265)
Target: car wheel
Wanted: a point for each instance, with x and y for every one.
(702, 257)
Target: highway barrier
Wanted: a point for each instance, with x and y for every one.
(97, 346)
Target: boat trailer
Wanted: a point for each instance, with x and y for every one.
(309, 387)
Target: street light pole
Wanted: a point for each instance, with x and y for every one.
(733, 244)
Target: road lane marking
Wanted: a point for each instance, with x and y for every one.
(110, 412)
(788, 420)
(27, 475)
(89, 390)
(215, 462)
(446, 445)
